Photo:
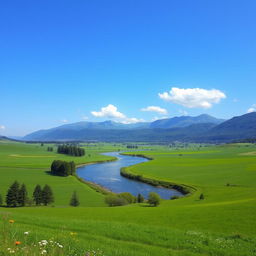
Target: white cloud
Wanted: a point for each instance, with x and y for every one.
(159, 110)
(131, 120)
(252, 109)
(111, 111)
(64, 121)
(193, 97)
(2, 127)
(108, 111)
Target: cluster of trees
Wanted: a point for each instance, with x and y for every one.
(127, 198)
(17, 196)
(63, 168)
(50, 149)
(131, 146)
(71, 150)
(248, 140)
(43, 195)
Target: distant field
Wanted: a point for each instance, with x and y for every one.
(29, 163)
(224, 223)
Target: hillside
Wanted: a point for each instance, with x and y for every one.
(119, 135)
(159, 130)
(239, 127)
(166, 130)
(184, 121)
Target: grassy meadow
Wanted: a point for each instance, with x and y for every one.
(224, 223)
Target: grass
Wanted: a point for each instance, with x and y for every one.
(223, 223)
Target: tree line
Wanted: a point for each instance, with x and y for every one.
(131, 146)
(127, 198)
(17, 195)
(70, 150)
(63, 168)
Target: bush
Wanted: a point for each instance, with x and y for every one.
(153, 199)
(128, 197)
(115, 200)
(174, 197)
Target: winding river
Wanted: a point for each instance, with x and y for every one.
(108, 175)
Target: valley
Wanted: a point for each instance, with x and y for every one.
(186, 226)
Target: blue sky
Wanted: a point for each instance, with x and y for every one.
(67, 61)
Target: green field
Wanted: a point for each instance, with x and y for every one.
(224, 223)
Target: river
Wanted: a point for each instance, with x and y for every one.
(108, 175)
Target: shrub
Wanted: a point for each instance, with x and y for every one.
(174, 197)
(128, 197)
(115, 200)
(153, 199)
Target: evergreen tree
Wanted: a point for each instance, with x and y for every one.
(201, 197)
(71, 150)
(1, 200)
(47, 195)
(73, 168)
(37, 195)
(12, 196)
(74, 201)
(140, 198)
(23, 195)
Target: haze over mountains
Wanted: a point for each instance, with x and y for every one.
(203, 128)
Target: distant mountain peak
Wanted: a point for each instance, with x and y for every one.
(202, 128)
(184, 121)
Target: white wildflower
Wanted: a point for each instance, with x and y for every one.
(43, 252)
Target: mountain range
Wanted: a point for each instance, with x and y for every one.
(202, 128)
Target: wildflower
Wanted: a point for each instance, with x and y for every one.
(26, 233)
(17, 243)
(73, 233)
(43, 252)
(43, 243)
(11, 221)
(10, 250)
(59, 245)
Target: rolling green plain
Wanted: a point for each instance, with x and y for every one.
(224, 223)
